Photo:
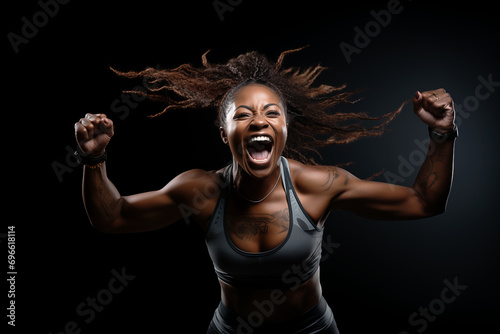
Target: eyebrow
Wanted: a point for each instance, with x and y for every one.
(250, 108)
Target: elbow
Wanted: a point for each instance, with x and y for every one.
(104, 227)
(441, 210)
(436, 212)
(105, 221)
(100, 227)
(429, 208)
(433, 210)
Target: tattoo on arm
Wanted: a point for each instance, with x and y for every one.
(429, 176)
(332, 175)
(346, 179)
(248, 226)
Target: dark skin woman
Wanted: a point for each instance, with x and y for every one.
(256, 211)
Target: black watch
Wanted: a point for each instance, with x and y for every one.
(439, 137)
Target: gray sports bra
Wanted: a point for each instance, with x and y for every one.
(292, 262)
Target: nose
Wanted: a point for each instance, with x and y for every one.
(258, 123)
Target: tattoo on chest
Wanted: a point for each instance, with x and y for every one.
(248, 226)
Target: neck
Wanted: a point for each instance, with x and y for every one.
(254, 188)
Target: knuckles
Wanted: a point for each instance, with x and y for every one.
(94, 122)
(443, 96)
(86, 123)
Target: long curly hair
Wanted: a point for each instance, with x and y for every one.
(313, 123)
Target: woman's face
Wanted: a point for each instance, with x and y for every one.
(255, 129)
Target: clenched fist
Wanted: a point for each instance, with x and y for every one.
(435, 108)
(93, 134)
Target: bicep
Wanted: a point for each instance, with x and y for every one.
(378, 200)
(156, 209)
(146, 212)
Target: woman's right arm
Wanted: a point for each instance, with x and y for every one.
(110, 212)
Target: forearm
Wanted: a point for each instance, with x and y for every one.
(101, 198)
(434, 179)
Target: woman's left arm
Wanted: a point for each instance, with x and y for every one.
(433, 182)
(429, 194)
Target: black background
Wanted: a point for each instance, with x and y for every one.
(380, 274)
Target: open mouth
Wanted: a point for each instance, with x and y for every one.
(259, 148)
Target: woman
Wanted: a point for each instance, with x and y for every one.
(263, 215)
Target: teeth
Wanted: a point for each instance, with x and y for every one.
(260, 138)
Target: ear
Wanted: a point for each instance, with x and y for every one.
(223, 135)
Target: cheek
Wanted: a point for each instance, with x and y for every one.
(285, 132)
(282, 136)
(235, 140)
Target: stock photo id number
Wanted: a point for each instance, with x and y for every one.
(11, 275)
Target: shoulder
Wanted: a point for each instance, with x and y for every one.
(195, 181)
(200, 175)
(318, 178)
(196, 192)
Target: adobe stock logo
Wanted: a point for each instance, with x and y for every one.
(121, 107)
(292, 277)
(410, 164)
(30, 28)
(89, 308)
(223, 6)
(449, 294)
(372, 29)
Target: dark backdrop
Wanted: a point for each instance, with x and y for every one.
(375, 276)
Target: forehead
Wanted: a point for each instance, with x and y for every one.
(256, 93)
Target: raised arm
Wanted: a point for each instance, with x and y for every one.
(426, 197)
(429, 194)
(111, 212)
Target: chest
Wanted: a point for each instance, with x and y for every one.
(259, 227)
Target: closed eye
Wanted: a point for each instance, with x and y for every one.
(241, 115)
(273, 113)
